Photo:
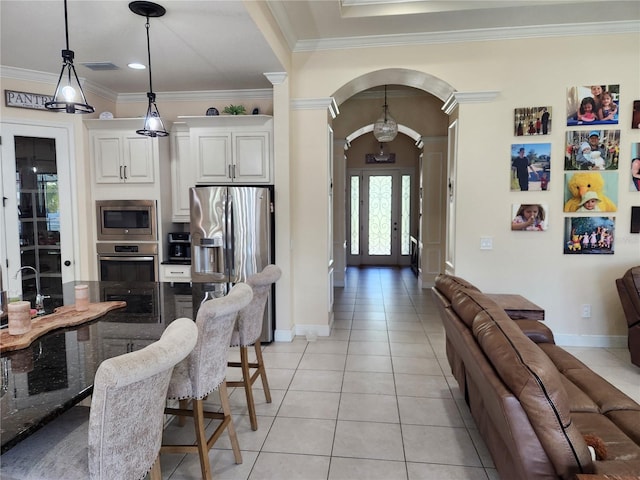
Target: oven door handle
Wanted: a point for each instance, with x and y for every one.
(127, 257)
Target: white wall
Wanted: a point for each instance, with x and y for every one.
(526, 72)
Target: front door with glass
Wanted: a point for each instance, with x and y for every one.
(379, 217)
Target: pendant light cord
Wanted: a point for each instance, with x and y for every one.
(148, 55)
(66, 24)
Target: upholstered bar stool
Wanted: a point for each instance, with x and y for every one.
(125, 423)
(247, 332)
(204, 371)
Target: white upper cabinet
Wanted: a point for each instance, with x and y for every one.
(122, 156)
(231, 149)
(183, 175)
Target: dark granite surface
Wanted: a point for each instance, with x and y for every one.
(57, 370)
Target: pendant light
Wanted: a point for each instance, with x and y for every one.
(385, 129)
(153, 126)
(66, 97)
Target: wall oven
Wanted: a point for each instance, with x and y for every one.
(126, 220)
(128, 262)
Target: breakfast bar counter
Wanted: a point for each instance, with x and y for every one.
(56, 371)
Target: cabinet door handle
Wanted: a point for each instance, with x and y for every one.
(230, 175)
(121, 172)
(125, 172)
(234, 171)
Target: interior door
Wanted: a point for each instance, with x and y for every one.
(379, 217)
(37, 218)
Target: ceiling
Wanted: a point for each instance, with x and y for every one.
(215, 45)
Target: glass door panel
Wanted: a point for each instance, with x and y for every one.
(37, 220)
(379, 217)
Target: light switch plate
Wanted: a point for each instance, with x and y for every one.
(486, 243)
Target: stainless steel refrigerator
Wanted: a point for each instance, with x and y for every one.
(231, 238)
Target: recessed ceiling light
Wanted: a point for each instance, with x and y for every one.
(136, 66)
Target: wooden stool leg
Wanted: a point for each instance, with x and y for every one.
(182, 420)
(231, 429)
(156, 473)
(201, 439)
(263, 372)
(246, 380)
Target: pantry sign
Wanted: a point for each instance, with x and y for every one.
(34, 101)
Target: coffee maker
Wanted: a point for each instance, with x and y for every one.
(180, 246)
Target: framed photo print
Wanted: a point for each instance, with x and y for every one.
(635, 167)
(591, 192)
(532, 121)
(529, 217)
(589, 235)
(635, 118)
(530, 166)
(593, 105)
(592, 150)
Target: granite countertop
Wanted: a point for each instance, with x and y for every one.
(56, 371)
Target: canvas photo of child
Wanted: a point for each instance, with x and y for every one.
(530, 167)
(532, 121)
(592, 150)
(593, 105)
(529, 217)
(589, 235)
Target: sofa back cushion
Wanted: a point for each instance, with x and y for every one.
(467, 303)
(448, 285)
(537, 384)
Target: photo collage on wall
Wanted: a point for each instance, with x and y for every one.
(591, 168)
(530, 167)
(592, 158)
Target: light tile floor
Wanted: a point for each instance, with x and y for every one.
(374, 400)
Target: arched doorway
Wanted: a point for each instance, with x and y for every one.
(416, 105)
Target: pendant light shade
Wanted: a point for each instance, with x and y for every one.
(385, 129)
(69, 96)
(153, 125)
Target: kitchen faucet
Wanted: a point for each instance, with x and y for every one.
(39, 297)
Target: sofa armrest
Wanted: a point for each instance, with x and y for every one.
(536, 331)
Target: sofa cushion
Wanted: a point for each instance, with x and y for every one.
(628, 421)
(606, 396)
(578, 400)
(535, 381)
(448, 285)
(619, 445)
(467, 303)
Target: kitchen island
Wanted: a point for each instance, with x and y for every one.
(57, 370)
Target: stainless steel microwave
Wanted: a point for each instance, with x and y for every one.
(122, 220)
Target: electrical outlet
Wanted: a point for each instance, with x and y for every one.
(586, 311)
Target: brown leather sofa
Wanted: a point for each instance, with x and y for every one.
(531, 400)
(629, 291)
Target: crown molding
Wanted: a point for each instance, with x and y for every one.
(202, 95)
(457, 98)
(479, 35)
(316, 104)
(276, 78)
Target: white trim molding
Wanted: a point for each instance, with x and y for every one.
(276, 78)
(316, 104)
(457, 98)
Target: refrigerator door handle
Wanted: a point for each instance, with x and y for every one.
(229, 254)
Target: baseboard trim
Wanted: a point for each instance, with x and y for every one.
(603, 341)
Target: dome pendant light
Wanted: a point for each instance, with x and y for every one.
(66, 96)
(385, 129)
(153, 126)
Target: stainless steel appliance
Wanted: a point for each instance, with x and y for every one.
(179, 246)
(126, 220)
(128, 262)
(231, 237)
